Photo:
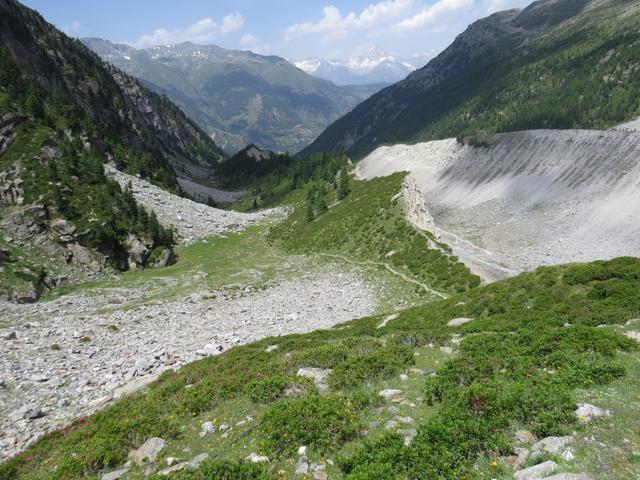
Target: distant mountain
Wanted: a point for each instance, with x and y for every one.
(554, 64)
(376, 67)
(238, 97)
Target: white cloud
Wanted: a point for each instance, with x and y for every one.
(334, 25)
(73, 29)
(203, 31)
(434, 14)
(231, 23)
(248, 40)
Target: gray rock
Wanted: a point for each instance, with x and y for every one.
(318, 375)
(115, 475)
(408, 434)
(30, 411)
(457, 322)
(209, 350)
(9, 336)
(165, 258)
(255, 458)
(149, 450)
(302, 467)
(587, 412)
(197, 460)
(524, 436)
(554, 445)
(536, 472)
(389, 393)
(207, 427)
(63, 227)
(568, 476)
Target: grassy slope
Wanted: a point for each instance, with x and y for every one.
(367, 226)
(534, 341)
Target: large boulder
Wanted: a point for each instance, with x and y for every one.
(136, 250)
(149, 450)
(63, 227)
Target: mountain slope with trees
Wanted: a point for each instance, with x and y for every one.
(554, 64)
(238, 97)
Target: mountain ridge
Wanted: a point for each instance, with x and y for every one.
(508, 72)
(237, 96)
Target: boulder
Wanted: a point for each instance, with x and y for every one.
(115, 475)
(318, 375)
(9, 335)
(554, 445)
(136, 250)
(457, 322)
(197, 460)
(149, 450)
(255, 458)
(210, 349)
(30, 411)
(163, 259)
(536, 472)
(390, 393)
(587, 412)
(568, 476)
(302, 467)
(63, 227)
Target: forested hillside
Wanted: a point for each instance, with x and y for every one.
(555, 64)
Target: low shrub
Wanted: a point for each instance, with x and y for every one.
(321, 423)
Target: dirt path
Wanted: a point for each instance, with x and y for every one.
(406, 278)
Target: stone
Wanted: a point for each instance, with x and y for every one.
(633, 335)
(404, 377)
(389, 393)
(163, 259)
(302, 450)
(30, 411)
(197, 460)
(587, 412)
(174, 468)
(302, 467)
(405, 420)
(536, 472)
(554, 445)
(518, 458)
(457, 322)
(408, 434)
(568, 476)
(115, 475)
(319, 475)
(207, 427)
(524, 436)
(224, 427)
(63, 227)
(255, 458)
(149, 450)
(9, 336)
(271, 348)
(318, 375)
(448, 350)
(417, 371)
(210, 349)
(137, 250)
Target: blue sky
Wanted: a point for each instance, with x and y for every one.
(294, 29)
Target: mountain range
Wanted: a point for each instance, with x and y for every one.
(237, 97)
(376, 66)
(554, 64)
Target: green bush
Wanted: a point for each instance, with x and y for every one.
(321, 423)
(267, 389)
(380, 363)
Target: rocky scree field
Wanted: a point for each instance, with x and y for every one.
(482, 384)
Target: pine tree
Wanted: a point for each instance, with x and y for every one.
(321, 205)
(309, 215)
(343, 184)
